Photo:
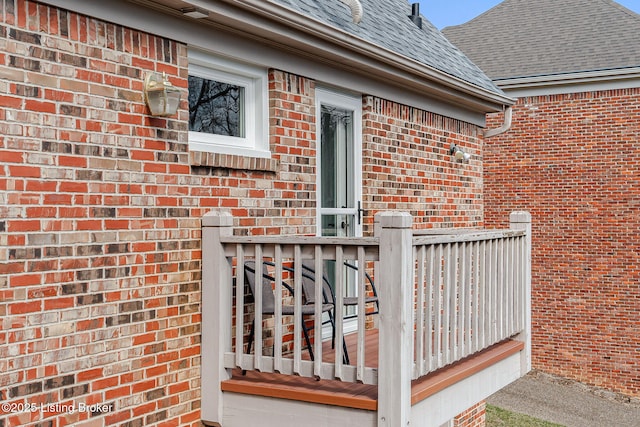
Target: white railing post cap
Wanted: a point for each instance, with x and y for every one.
(393, 219)
(217, 218)
(520, 217)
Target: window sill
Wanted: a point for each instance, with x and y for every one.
(232, 161)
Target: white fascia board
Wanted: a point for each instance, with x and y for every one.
(263, 42)
(353, 44)
(585, 81)
(318, 38)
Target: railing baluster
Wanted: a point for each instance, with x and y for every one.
(339, 312)
(462, 300)
(319, 300)
(297, 307)
(277, 321)
(495, 267)
(429, 321)
(362, 281)
(419, 256)
(488, 294)
(512, 288)
(257, 358)
(453, 302)
(521, 283)
(239, 304)
(518, 284)
(448, 304)
(475, 318)
(469, 306)
(503, 294)
(482, 289)
(501, 290)
(438, 283)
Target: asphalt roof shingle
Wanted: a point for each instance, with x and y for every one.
(386, 24)
(525, 38)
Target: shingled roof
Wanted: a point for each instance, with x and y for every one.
(386, 24)
(525, 38)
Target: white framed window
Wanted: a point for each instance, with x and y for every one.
(228, 106)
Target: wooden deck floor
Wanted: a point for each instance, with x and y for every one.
(362, 396)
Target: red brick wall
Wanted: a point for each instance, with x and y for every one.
(100, 208)
(99, 269)
(407, 166)
(472, 417)
(100, 219)
(573, 161)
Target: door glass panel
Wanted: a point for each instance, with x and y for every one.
(338, 225)
(337, 159)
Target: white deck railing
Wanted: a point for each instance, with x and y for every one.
(284, 257)
(470, 294)
(442, 298)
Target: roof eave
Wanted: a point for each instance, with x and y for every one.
(616, 78)
(284, 26)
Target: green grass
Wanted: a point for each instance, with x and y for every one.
(497, 417)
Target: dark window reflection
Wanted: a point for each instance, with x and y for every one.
(216, 107)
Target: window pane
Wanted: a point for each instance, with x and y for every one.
(216, 107)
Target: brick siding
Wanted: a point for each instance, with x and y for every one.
(100, 208)
(573, 161)
(407, 166)
(472, 417)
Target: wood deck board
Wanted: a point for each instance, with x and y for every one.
(432, 383)
(371, 349)
(362, 396)
(327, 392)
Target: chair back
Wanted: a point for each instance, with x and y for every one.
(268, 299)
(309, 284)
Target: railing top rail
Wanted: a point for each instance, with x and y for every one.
(471, 236)
(301, 240)
(441, 231)
(419, 238)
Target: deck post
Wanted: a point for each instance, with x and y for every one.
(521, 220)
(395, 290)
(216, 313)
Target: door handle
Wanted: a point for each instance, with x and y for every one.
(361, 212)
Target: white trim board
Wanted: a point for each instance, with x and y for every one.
(555, 84)
(453, 400)
(242, 410)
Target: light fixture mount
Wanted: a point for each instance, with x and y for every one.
(161, 96)
(458, 153)
(194, 12)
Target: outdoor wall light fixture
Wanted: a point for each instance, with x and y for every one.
(458, 153)
(162, 97)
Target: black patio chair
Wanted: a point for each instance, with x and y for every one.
(309, 267)
(268, 302)
(328, 298)
(328, 293)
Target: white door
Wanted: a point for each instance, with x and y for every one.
(339, 164)
(339, 183)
